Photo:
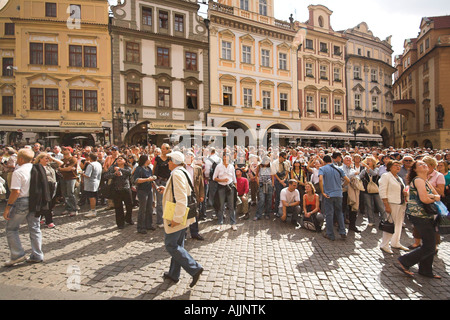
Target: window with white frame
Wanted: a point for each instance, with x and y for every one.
(227, 96)
(309, 70)
(337, 106)
(357, 72)
(324, 72)
(337, 74)
(323, 105)
(373, 75)
(263, 7)
(266, 100)
(357, 101)
(246, 54)
(265, 58)
(310, 103)
(375, 103)
(283, 101)
(226, 50)
(283, 61)
(244, 4)
(248, 97)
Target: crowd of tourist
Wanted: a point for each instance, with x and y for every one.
(314, 188)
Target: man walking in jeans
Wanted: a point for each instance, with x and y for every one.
(17, 210)
(330, 181)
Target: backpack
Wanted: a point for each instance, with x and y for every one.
(213, 167)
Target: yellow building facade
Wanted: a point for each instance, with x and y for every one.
(321, 80)
(56, 85)
(253, 68)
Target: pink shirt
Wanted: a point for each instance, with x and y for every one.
(436, 178)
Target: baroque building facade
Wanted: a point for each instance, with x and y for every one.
(369, 74)
(422, 98)
(253, 69)
(55, 84)
(160, 69)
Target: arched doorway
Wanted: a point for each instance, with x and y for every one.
(238, 134)
(386, 137)
(428, 144)
(269, 139)
(138, 135)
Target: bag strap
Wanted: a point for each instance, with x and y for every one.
(340, 174)
(190, 184)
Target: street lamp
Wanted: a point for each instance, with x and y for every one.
(135, 116)
(128, 118)
(352, 127)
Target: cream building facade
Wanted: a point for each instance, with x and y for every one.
(160, 69)
(56, 79)
(369, 76)
(253, 69)
(321, 78)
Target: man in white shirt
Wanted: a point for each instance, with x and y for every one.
(290, 202)
(225, 176)
(17, 210)
(92, 177)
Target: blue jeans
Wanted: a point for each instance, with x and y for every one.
(17, 215)
(331, 207)
(372, 204)
(68, 192)
(174, 243)
(159, 204)
(278, 188)
(228, 198)
(144, 219)
(264, 202)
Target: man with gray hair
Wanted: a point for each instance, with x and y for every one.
(17, 210)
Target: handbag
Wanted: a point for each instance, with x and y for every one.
(387, 226)
(192, 199)
(372, 186)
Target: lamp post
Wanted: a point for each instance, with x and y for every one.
(207, 24)
(352, 127)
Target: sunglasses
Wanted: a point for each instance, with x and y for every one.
(407, 160)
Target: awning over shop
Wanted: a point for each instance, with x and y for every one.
(321, 135)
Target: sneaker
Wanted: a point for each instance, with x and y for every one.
(234, 227)
(32, 260)
(160, 225)
(10, 263)
(73, 213)
(65, 212)
(51, 225)
(91, 214)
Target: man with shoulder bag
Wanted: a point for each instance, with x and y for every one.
(178, 189)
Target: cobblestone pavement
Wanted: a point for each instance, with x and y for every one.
(262, 260)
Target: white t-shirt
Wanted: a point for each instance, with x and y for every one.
(21, 179)
(94, 172)
(289, 197)
(223, 172)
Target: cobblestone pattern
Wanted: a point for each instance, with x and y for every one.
(265, 259)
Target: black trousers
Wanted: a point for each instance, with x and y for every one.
(423, 255)
(120, 197)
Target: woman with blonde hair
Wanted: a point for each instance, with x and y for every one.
(371, 197)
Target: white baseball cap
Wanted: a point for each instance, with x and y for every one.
(177, 157)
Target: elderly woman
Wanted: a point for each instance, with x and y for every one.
(372, 201)
(421, 192)
(393, 195)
